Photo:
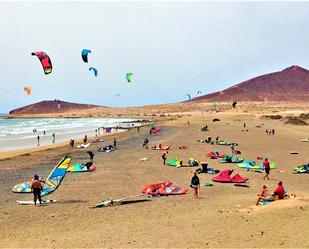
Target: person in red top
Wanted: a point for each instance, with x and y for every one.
(267, 168)
(279, 191)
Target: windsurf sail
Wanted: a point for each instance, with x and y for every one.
(51, 183)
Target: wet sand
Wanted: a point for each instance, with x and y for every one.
(223, 216)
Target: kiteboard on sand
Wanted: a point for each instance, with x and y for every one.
(38, 203)
(115, 202)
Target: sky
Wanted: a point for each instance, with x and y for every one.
(172, 48)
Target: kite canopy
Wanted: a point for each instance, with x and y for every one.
(163, 188)
(189, 96)
(28, 90)
(95, 71)
(129, 77)
(45, 61)
(225, 176)
(85, 53)
(234, 104)
(199, 92)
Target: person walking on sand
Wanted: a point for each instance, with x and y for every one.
(273, 132)
(145, 144)
(36, 189)
(217, 140)
(267, 169)
(164, 157)
(115, 143)
(195, 184)
(244, 125)
(38, 138)
(91, 155)
(54, 137)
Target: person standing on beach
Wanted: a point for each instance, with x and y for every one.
(36, 189)
(85, 139)
(195, 184)
(273, 132)
(164, 157)
(217, 140)
(38, 138)
(54, 137)
(91, 155)
(267, 169)
(244, 125)
(115, 143)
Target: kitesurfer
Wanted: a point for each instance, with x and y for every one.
(36, 189)
(195, 184)
(54, 137)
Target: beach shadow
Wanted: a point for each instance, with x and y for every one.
(72, 201)
(133, 201)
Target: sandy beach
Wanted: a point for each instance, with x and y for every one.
(223, 216)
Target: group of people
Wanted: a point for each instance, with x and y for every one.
(278, 194)
(270, 132)
(38, 138)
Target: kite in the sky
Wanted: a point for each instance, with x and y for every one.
(189, 96)
(234, 104)
(45, 61)
(129, 77)
(95, 71)
(28, 90)
(85, 53)
(199, 92)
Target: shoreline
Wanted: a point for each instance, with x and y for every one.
(21, 152)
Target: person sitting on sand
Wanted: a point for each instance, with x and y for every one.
(233, 149)
(279, 191)
(264, 195)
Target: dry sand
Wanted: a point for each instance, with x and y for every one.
(223, 216)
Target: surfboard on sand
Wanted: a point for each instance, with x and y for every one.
(38, 203)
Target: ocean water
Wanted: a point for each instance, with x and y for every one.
(18, 133)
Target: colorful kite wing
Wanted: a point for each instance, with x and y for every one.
(45, 61)
(85, 53)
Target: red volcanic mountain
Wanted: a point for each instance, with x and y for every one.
(290, 84)
(50, 106)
